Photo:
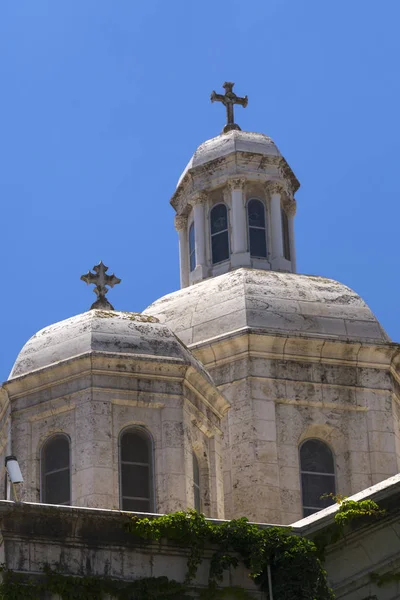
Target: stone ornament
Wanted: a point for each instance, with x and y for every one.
(290, 208)
(198, 198)
(275, 187)
(180, 222)
(101, 280)
(237, 183)
(229, 99)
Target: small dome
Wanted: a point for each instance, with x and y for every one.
(269, 301)
(227, 143)
(101, 331)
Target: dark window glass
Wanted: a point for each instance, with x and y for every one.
(256, 213)
(317, 476)
(219, 219)
(136, 471)
(196, 484)
(285, 235)
(192, 248)
(257, 231)
(258, 243)
(219, 234)
(56, 482)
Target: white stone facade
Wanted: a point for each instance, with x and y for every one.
(95, 375)
(233, 169)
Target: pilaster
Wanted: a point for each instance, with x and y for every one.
(240, 256)
(198, 202)
(275, 189)
(290, 209)
(181, 227)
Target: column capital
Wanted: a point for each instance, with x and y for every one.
(180, 222)
(274, 187)
(290, 208)
(198, 198)
(236, 183)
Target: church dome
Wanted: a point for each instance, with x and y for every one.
(102, 331)
(228, 143)
(268, 301)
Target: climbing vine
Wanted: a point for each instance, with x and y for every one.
(293, 560)
(292, 564)
(348, 512)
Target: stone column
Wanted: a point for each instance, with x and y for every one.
(290, 208)
(275, 190)
(240, 256)
(198, 202)
(181, 227)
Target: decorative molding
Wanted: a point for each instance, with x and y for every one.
(237, 183)
(290, 208)
(198, 198)
(275, 187)
(180, 222)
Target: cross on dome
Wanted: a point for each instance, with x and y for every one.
(101, 280)
(229, 99)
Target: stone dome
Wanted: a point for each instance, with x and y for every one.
(102, 331)
(227, 143)
(268, 301)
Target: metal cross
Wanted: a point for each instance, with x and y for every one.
(229, 99)
(101, 280)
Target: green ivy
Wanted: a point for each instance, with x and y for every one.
(296, 569)
(348, 512)
(17, 586)
(295, 562)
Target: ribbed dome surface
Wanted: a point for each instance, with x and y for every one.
(227, 143)
(274, 302)
(101, 331)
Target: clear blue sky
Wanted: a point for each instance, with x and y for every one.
(104, 101)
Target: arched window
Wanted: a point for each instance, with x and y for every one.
(317, 476)
(192, 248)
(55, 471)
(196, 484)
(219, 233)
(285, 235)
(136, 470)
(257, 233)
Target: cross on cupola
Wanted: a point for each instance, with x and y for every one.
(101, 280)
(229, 99)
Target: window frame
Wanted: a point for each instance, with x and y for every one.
(192, 252)
(301, 472)
(266, 220)
(227, 230)
(142, 430)
(42, 473)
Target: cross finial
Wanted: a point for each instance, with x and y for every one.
(229, 99)
(101, 280)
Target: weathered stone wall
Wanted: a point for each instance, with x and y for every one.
(278, 400)
(87, 542)
(92, 399)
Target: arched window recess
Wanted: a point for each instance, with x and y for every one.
(257, 228)
(219, 233)
(136, 470)
(56, 470)
(317, 471)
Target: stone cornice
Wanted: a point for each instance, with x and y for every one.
(180, 222)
